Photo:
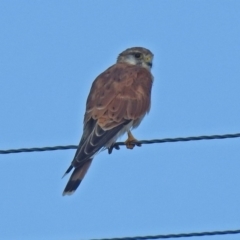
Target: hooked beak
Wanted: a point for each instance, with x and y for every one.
(148, 61)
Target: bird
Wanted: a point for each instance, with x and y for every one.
(119, 99)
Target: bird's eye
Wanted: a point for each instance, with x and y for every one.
(137, 55)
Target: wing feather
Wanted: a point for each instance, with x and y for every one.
(94, 142)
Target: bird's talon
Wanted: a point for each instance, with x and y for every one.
(130, 145)
(117, 147)
(131, 142)
(110, 149)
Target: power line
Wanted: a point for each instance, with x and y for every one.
(180, 235)
(117, 144)
(38, 149)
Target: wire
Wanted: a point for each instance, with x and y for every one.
(180, 235)
(37, 149)
(117, 144)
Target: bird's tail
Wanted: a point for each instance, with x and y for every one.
(76, 178)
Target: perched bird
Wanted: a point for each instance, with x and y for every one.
(118, 100)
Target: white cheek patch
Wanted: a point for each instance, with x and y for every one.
(131, 60)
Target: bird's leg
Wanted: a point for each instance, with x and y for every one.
(131, 141)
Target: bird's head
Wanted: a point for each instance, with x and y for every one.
(137, 56)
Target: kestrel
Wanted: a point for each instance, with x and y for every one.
(118, 100)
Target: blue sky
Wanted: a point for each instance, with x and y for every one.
(51, 51)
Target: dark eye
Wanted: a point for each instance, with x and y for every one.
(137, 55)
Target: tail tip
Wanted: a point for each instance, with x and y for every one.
(68, 193)
(71, 187)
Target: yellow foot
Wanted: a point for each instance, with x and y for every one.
(130, 142)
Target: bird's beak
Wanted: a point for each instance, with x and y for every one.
(148, 60)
